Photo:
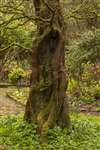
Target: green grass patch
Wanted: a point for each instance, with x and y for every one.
(84, 134)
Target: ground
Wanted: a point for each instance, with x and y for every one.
(16, 134)
(9, 106)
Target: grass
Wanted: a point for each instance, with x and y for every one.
(84, 134)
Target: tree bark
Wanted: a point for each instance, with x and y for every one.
(47, 104)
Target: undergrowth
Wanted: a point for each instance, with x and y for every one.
(84, 134)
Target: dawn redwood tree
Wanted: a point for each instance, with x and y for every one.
(47, 103)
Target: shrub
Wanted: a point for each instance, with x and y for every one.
(16, 74)
(96, 92)
(85, 49)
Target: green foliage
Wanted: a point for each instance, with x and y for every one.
(87, 99)
(96, 92)
(15, 43)
(17, 134)
(21, 36)
(84, 134)
(84, 68)
(16, 74)
(86, 49)
(72, 84)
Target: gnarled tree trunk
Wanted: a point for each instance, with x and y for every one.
(47, 103)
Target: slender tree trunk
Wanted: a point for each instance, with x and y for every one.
(47, 103)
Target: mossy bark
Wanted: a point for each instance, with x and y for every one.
(47, 104)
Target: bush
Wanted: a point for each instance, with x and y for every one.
(16, 74)
(87, 99)
(96, 92)
(72, 84)
(85, 49)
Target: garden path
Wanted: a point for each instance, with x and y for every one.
(11, 107)
(8, 106)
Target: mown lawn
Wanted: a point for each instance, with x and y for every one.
(84, 134)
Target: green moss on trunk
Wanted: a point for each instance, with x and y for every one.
(47, 104)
